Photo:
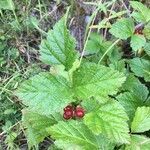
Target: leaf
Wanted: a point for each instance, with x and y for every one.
(138, 142)
(75, 132)
(137, 42)
(141, 68)
(146, 31)
(59, 47)
(130, 83)
(45, 93)
(135, 98)
(142, 14)
(94, 43)
(36, 126)
(98, 45)
(7, 4)
(122, 29)
(147, 49)
(93, 80)
(110, 120)
(141, 121)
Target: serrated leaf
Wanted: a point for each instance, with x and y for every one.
(142, 14)
(98, 45)
(93, 80)
(122, 29)
(135, 98)
(75, 132)
(147, 48)
(141, 120)
(59, 47)
(137, 41)
(146, 31)
(111, 120)
(45, 93)
(138, 142)
(7, 4)
(130, 83)
(36, 126)
(141, 68)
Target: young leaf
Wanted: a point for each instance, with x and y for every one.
(138, 142)
(141, 68)
(111, 120)
(137, 42)
(141, 121)
(75, 132)
(122, 29)
(142, 14)
(59, 47)
(45, 93)
(36, 127)
(93, 80)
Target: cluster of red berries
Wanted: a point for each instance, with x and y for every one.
(73, 112)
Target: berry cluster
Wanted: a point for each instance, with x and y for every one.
(73, 112)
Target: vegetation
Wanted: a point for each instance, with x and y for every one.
(65, 90)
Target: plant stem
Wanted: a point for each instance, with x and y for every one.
(108, 50)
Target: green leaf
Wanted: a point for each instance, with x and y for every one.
(45, 93)
(123, 28)
(36, 126)
(147, 49)
(137, 42)
(94, 43)
(141, 68)
(93, 80)
(142, 13)
(98, 45)
(141, 121)
(7, 4)
(130, 83)
(146, 31)
(110, 120)
(75, 132)
(138, 142)
(135, 98)
(59, 47)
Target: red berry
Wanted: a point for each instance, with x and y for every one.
(69, 107)
(66, 117)
(69, 113)
(79, 112)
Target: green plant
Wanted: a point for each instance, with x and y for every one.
(115, 103)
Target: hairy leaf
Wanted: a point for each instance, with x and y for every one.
(59, 47)
(45, 93)
(93, 80)
(137, 42)
(142, 13)
(75, 132)
(111, 120)
(138, 142)
(123, 28)
(141, 121)
(141, 68)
